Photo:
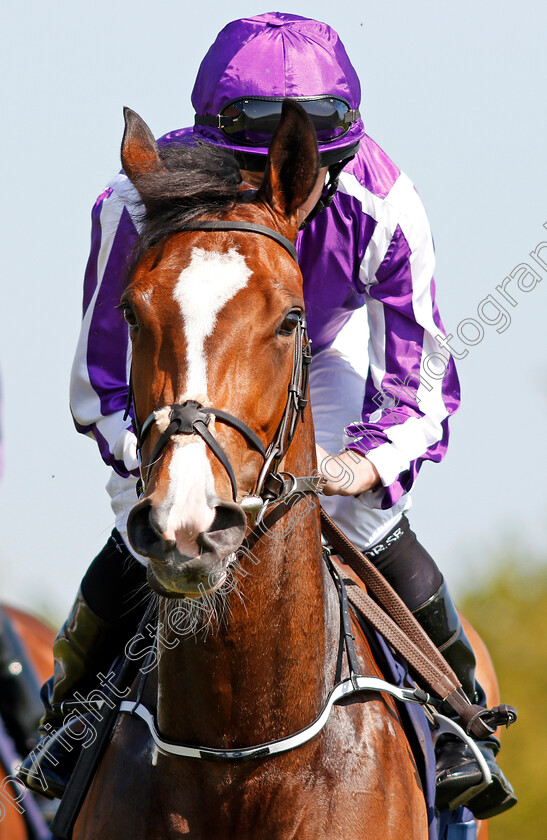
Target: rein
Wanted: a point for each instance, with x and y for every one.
(395, 622)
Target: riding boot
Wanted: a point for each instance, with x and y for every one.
(20, 705)
(457, 767)
(107, 611)
(81, 650)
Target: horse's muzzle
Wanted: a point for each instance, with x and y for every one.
(175, 574)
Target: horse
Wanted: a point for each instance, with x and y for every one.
(37, 638)
(486, 676)
(249, 624)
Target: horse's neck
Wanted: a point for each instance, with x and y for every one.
(264, 669)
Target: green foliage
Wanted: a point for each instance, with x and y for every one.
(510, 613)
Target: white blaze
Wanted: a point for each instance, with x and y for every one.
(188, 507)
(202, 290)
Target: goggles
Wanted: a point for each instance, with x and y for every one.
(251, 121)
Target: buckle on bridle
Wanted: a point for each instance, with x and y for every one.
(187, 415)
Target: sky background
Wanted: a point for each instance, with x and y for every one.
(456, 96)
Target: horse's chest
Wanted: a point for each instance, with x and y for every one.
(340, 784)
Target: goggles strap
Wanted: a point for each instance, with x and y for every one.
(216, 120)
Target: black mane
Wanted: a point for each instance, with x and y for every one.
(198, 180)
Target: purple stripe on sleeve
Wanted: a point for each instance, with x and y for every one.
(404, 337)
(403, 352)
(451, 382)
(436, 313)
(108, 458)
(331, 250)
(107, 342)
(90, 277)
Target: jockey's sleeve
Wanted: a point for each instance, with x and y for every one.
(99, 379)
(412, 386)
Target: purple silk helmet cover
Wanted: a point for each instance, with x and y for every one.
(275, 54)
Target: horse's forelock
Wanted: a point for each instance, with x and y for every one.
(196, 181)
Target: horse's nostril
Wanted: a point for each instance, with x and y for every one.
(226, 531)
(148, 537)
(227, 516)
(143, 535)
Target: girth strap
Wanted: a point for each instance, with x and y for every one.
(346, 688)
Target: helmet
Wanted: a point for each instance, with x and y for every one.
(257, 62)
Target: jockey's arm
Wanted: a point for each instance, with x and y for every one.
(408, 396)
(98, 388)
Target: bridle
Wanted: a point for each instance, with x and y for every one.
(192, 418)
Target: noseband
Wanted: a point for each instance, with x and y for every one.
(192, 418)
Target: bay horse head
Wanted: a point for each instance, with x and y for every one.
(216, 319)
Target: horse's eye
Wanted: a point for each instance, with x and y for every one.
(129, 315)
(290, 322)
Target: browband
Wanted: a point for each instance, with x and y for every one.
(248, 227)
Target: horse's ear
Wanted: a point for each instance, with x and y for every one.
(140, 154)
(291, 171)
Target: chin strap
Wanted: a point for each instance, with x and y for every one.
(329, 192)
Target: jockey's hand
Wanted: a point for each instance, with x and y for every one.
(347, 474)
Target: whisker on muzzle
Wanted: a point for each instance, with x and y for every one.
(208, 613)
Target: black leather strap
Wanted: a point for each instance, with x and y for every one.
(241, 427)
(345, 620)
(248, 227)
(191, 418)
(201, 429)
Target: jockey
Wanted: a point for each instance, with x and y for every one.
(366, 242)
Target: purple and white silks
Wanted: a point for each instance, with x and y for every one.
(372, 248)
